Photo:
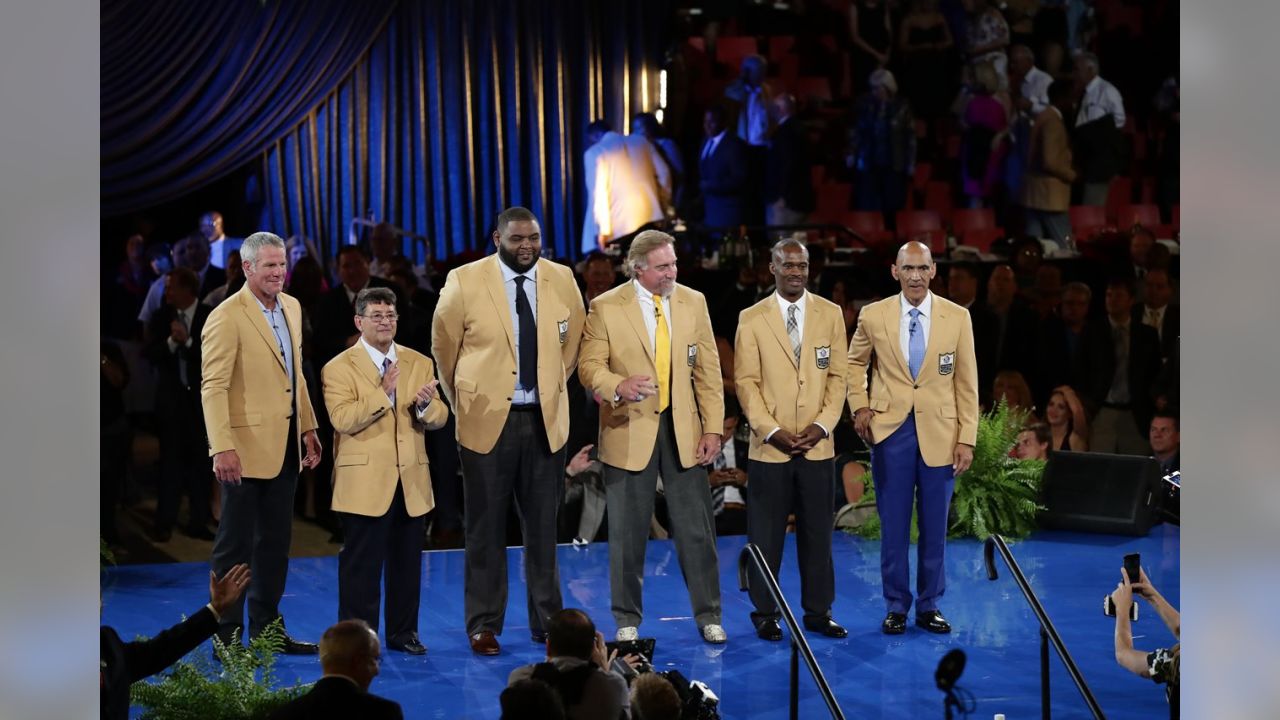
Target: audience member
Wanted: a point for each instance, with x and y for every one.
(349, 658)
(728, 475)
(1163, 665)
(646, 124)
(1098, 151)
(1015, 321)
(630, 186)
(1068, 423)
(653, 697)
(1046, 295)
(598, 276)
(1166, 441)
(220, 246)
(1033, 442)
(881, 147)
(596, 132)
(385, 243)
(174, 347)
(962, 289)
(1060, 357)
(530, 700)
(724, 175)
(235, 280)
(1047, 186)
(584, 483)
(926, 55)
(124, 663)
(986, 128)
(1032, 83)
(871, 29)
(1010, 386)
(190, 252)
(788, 184)
(1157, 312)
(578, 668)
(1124, 358)
(987, 36)
(334, 331)
(749, 96)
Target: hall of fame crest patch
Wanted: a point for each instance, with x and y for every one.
(946, 363)
(822, 356)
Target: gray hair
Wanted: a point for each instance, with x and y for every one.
(644, 243)
(255, 242)
(374, 296)
(780, 247)
(1078, 287)
(883, 78)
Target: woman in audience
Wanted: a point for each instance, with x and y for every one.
(298, 247)
(985, 140)
(1010, 386)
(988, 35)
(871, 29)
(926, 54)
(882, 147)
(1067, 420)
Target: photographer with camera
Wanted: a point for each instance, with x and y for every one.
(1161, 665)
(578, 668)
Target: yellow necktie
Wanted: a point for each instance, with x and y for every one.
(662, 355)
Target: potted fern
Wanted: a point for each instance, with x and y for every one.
(997, 494)
(243, 689)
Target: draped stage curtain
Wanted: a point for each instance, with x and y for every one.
(432, 115)
(462, 109)
(192, 91)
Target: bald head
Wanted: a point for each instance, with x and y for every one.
(351, 649)
(914, 269)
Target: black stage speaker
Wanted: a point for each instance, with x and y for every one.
(1100, 492)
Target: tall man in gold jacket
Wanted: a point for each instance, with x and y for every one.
(381, 399)
(505, 338)
(919, 415)
(649, 352)
(792, 389)
(257, 414)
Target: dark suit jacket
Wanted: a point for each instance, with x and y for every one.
(787, 173)
(1169, 327)
(1017, 343)
(986, 326)
(211, 279)
(334, 324)
(124, 663)
(725, 182)
(1144, 366)
(339, 698)
(1058, 360)
(168, 379)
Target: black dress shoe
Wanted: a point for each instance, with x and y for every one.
(484, 643)
(538, 636)
(933, 621)
(298, 647)
(826, 626)
(409, 644)
(769, 629)
(894, 624)
(199, 532)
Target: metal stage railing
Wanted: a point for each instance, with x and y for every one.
(799, 644)
(1048, 633)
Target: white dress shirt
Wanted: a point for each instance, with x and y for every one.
(1100, 98)
(187, 316)
(904, 323)
(784, 306)
(1035, 87)
(729, 461)
(522, 396)
(1154, 318)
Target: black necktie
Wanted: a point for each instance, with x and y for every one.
(528, 338)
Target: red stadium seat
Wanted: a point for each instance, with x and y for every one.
(1145, 215)
(697, 43)
(832, 201)
(780, 47)
(937, 197)
(981, 238)
(818, 174)
(966, 219)
(809, 89)
(1119, 195)
(1177, 218)
(869, 224)
(731, 50)
(1086, 220)
(911, 222)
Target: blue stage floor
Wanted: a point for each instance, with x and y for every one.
(873, 676)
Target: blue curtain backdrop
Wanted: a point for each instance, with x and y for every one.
(192, 91)
(432, 115)
(462, 109)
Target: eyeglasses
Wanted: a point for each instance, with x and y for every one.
(379, 318)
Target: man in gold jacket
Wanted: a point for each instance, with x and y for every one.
(792, 389)
(648, 351)
(381, 399)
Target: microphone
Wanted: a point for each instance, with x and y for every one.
(949, 670)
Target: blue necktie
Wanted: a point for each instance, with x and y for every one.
(916, 344)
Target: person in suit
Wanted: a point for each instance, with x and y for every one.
(189, 252)
(121, 663)
(919, 414)
(962, 289)
(349, 657)
(1123, 360)
(724, 174)
(174, 350)
(788, 184)
(511, 315)
(1047, 186)
(259, 420)
(631, 187)
(648, 350)
(381, 481)
(1158, 312)
(1014, 329)
(792, 388)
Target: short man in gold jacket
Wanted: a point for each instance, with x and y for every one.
(792, 388)
(381, 398)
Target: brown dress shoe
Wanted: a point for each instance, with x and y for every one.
(484, 643)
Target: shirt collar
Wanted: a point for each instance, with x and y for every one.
(642, 293)
(715, 139)
(278, 306)
(190, 309)
(376, 355)
(925, 308)
(785, 303)
(1093, 84)
(509, 275)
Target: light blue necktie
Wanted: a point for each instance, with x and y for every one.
(916, 343)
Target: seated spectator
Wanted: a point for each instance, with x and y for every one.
(1166, 441)
(728, 476)
(1067, 421)
(124, 663)
(1163, 665)
(349, 657)
(530, 700)
(653, 697)
(1033, 442)
(578, 669)
(1010, 386)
